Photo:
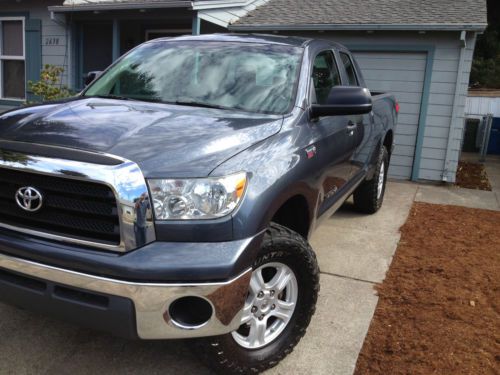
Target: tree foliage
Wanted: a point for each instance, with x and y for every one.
(486, 65)
(49, 86)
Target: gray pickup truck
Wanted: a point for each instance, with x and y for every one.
(174, 197)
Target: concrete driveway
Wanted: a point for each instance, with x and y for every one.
(354, 252)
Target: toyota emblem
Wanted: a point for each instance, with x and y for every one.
(29, 199)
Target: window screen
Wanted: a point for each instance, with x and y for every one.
(12, 38)
(325, 75)
(12, 66)
(349, 68)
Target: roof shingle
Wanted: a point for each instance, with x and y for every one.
(366, 12)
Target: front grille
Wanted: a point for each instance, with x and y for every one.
(71, 208)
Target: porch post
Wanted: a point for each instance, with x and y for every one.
(116, 39)
(196, 24)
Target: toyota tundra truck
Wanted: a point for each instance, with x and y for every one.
(173, 198)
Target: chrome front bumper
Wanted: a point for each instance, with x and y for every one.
(152, 300)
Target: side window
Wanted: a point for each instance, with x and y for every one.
(349, 68)
(325, 75)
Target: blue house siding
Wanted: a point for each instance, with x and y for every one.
(45, 40)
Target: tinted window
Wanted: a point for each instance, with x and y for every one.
(325, 75)
(349, 68)
(244, 76)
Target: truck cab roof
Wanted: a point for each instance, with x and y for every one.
(292, 41)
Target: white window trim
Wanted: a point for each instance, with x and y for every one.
(7, 57)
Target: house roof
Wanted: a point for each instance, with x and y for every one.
(366, 14)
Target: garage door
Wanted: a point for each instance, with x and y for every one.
(403, 75)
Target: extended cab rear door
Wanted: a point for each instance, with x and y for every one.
(362, 124)
(332, 135)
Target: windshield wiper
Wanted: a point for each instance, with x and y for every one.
(194, 103)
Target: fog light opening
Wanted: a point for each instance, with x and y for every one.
(190, 312)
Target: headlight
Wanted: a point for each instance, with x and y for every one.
(204, 198)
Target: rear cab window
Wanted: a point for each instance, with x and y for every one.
(349, 68)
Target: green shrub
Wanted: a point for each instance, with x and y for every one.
(49, 87)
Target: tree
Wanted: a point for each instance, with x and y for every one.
(486, 64)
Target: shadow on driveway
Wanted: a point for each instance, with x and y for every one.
(34, 344)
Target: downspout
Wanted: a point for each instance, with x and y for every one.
(456, 102)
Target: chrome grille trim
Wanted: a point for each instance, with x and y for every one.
(125, 180)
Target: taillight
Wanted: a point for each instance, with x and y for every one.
(397, 107)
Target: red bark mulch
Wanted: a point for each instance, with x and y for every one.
(472, 176)
(439, 307)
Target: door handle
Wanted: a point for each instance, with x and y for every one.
(351, 127)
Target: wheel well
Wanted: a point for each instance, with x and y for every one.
(294, 214)
(388, 142)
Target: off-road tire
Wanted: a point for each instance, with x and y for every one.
(366, 197)
(224, 355)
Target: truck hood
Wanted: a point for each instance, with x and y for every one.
(164, 140)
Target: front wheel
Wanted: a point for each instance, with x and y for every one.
(280, 303)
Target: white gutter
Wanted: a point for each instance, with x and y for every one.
(214, 4)
(90, 7)
(456, 101)
(194, 5)
(225, 16)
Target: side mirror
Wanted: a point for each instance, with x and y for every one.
(344, 100)
(91, 76)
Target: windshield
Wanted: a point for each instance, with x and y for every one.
(241, 76)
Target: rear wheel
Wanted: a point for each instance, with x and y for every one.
(280, 303)
(369, 196)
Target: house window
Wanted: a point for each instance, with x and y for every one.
(12, 69)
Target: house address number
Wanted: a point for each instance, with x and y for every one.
(51, 41)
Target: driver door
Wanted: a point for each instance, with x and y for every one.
(334, 136)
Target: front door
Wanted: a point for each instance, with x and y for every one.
(333, 135)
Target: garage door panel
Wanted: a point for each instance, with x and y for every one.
(404, 150)
(408, 108)
(391, 56)
(388, 64)
(400, 172)
(415, 87)
(403, 161)
(391, 75)
(407, 97)
(403, 75)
